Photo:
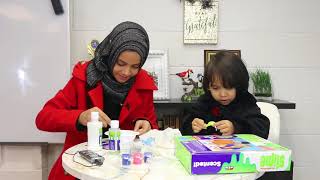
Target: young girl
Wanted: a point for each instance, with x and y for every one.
(226, 101)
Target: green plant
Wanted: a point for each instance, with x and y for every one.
(262, 83)
(205, 4)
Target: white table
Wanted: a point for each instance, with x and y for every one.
(159, 168)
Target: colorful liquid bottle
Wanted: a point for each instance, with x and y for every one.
(114, 136)
(137, 156)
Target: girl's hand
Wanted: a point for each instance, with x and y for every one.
(225, 126)
(142, 126)
(85, 117)
(198, 125)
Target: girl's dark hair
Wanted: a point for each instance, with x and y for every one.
(229, 68)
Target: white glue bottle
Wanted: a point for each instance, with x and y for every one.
(94, 132)
(114, 135)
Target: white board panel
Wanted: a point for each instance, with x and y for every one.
(35, 52)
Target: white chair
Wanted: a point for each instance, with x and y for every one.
(272, 112)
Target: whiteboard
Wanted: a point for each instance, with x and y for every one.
(35, 52)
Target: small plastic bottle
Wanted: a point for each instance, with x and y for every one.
(126, 160)
(94, 132)
(147, 157)
(137, 145)
(114, 136)
(136, 153)
(125, 146)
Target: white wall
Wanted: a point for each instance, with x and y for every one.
(35, 60)
(281, 36)
(32, 39)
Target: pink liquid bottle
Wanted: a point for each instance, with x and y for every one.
(137, 157)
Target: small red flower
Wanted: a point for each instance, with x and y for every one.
(215, 111)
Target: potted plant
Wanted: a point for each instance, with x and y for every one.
(262, 88)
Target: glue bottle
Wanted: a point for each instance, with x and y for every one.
(94, 132)
(114, 136)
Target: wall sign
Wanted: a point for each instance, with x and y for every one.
(200, 25)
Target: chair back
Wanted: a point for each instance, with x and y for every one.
(272, 112)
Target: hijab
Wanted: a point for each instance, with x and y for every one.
(125, 36)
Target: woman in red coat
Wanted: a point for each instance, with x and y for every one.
(112, 83)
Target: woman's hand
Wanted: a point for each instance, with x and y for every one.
(85, 117)
(225, 126)
(142, 126)
(197, 125)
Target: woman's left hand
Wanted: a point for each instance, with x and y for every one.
(142, 126)
(225, 126)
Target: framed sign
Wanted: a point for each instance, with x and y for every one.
(157, 67)
(200, 25)
(209, 53)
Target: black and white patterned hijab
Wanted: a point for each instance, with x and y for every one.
(125, 36)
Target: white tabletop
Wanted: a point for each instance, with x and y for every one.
(159, 168)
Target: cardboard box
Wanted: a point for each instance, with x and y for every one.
(240, 153)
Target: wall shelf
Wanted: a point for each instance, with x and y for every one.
(169, 112)
(177, 103)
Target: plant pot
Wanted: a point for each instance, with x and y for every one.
(186, 98)
(263, 96)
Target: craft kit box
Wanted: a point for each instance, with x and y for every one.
(240, 153)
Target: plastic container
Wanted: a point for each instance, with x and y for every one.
(137, 145)
(126, 141)
(94, 132)
(125, 146)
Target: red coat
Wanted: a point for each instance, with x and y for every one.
(60, 113)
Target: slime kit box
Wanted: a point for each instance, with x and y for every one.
(240, 153)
